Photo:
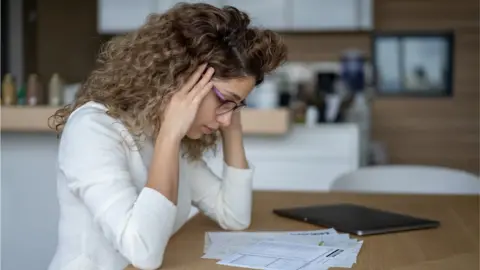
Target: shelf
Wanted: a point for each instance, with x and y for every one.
(26, 118)
(266, 122)
(35, 119)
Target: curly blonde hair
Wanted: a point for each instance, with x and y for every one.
(137, 73)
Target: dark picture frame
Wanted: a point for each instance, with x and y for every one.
(417, 64)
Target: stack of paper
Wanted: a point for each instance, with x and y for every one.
(306, 250)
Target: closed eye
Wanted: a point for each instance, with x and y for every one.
(229, 96)
(235, 96)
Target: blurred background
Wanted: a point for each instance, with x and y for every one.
(368, 83)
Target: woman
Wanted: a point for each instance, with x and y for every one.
(130, 156)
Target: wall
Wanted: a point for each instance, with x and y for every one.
(67, 38)
(29, 202)
(434, 131)
(431, 131)
(15, 62)
(422, 131)
(15, 40)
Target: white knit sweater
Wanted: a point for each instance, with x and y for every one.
(109, 219)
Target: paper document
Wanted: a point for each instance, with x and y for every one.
(281, 256)
(227, 243)
(273, 250)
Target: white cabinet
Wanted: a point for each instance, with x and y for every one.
(307, 159)
(118, 16)
(366, 14)
(312, 174)
(217, 3)
(331, 15)
(164, 5)
(272, 14)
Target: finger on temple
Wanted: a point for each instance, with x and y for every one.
(207, 76)
(194, 78)
(204, 91)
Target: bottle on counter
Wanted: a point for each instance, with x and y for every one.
(9, 93)
(55, 90)
(299, 103)
(284, 90)
(359, 113)
(311, 116)
(34, 90)
(267, 95)
(22, 95)
(69, 92)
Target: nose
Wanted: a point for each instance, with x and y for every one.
(224, 119)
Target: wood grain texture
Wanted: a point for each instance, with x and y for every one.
(314, 47)
(434, 131)
(454, 245)
(36, 119)
(26, 118)
(68, 41)
(30, 36)
(266, 122)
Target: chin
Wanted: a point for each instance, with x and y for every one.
(194, 135)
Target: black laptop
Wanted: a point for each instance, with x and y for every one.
(356, 219)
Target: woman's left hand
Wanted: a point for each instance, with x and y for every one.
(235, 124)
(232, 140)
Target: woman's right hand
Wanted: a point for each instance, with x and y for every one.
(183, 106)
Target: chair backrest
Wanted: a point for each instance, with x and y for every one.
(408, 179)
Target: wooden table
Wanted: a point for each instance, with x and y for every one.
(454, 245)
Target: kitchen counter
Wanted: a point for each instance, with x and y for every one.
(35, 119)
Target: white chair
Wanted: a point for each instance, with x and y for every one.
(409, 179)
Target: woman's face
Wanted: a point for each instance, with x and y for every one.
(214, 112)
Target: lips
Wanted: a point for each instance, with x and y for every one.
(207, 130)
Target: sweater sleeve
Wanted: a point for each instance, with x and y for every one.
(93, 158)
(226, 200)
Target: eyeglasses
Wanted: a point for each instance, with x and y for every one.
(227, 105)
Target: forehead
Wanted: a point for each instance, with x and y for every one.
(240, 87)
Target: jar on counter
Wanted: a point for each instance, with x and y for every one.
(34, 90)
(266, 96)
(55, 90)
(311, 116)
(9, 93)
